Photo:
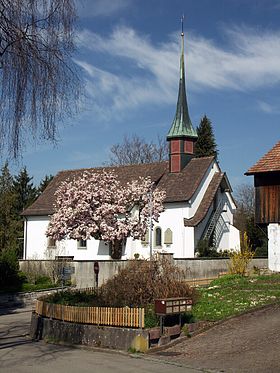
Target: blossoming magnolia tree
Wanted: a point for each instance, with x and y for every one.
(97, 205)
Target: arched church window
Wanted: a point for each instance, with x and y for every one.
(158, 236)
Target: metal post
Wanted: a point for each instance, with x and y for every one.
(62, 278)
(161, 324)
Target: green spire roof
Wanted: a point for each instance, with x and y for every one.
(182, 125)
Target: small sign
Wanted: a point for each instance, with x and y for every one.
(67, 272)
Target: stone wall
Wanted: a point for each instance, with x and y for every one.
(56, 331)
(84, 275)
(208, 268)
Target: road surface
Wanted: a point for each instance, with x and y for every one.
(18, 354)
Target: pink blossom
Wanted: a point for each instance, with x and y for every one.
(97, 205)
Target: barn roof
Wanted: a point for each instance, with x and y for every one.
(179, 186)
(270, 162)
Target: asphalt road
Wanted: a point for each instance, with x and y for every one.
(244, 344)
(18, 354)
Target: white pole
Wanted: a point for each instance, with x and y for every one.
(151, 223)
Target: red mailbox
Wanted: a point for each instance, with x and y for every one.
(96, 268)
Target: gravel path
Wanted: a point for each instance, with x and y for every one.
(247, 343)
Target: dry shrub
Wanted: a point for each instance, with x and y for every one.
(143, 281)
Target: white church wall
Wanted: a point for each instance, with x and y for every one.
(273, 231)
(172, 218)
(35, 242)
(230, 239)
(182, 240)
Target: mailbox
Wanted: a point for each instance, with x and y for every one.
(172, 306)
(96, 268)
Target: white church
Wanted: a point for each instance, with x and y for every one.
(198, 203)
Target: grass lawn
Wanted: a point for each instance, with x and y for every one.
(233, 294)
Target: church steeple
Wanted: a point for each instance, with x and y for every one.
(181, 135)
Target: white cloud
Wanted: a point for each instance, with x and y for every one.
(250, 61)
(96, 8)
(268, 108)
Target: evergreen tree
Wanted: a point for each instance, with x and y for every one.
(24, 190)
(9, 226)
(44, 183)
(206, 144)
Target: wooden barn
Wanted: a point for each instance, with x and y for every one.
(267, 195)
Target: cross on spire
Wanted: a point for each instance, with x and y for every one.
(182, 24)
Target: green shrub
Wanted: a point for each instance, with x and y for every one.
(43, 280)
(204, 249)
(151, 319)
(75, 298)
(262, 251)
(9, 268)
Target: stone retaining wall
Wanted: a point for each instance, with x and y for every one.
(89, 335)
(195, 268)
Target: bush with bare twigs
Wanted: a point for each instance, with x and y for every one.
(142, 281)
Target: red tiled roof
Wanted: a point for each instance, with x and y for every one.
(270, 162)
(178, 186)
(206, 201)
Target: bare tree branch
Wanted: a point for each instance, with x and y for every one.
(135, 150)
(39, 83)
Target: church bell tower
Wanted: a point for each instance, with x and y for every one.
(181, 136)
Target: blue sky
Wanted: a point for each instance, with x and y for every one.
(128, 54)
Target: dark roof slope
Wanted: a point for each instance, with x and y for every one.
(270, 162)
(179, 187)
(206, 201)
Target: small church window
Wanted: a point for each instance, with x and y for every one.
(51, 242)
(82, 244)
(168, 237)
(158, 236)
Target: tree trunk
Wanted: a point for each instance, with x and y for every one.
(115, 249)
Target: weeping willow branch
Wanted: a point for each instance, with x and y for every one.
(39, 83)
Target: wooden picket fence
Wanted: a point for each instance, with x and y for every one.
(108, 316)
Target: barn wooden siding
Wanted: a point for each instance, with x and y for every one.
(267, 192)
